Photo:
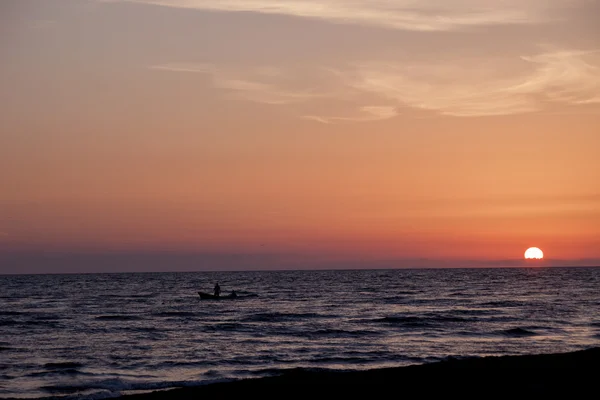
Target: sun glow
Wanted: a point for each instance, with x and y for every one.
(534, 253)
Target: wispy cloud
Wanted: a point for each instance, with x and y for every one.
(563, 76)
(378, 89)
(183, 67)
(424, 15)
(269, 85)
(365, 113)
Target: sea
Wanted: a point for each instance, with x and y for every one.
(98, 336)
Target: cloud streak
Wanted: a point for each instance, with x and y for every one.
(365, 113)
(268, 85)
(425, 15)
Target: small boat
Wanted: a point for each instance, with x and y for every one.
(210, 296)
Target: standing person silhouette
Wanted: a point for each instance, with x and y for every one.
(217, 289)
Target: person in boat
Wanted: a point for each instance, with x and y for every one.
(233, 294)
(217, 289)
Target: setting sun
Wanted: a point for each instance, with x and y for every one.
(534, 253)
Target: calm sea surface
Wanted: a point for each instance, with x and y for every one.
(102, 335)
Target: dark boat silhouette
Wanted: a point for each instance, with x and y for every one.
(210, 296)
(231, 296)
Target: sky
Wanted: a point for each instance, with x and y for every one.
(263, 134)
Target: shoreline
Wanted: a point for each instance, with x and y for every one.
(549, 374)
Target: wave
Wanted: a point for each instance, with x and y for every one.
(112, 388)
(175, 314)
(66, 364)
(43, 322)
(518, 332)
(279, 317)
(342, 333)
(501, 304)
(178, 364)
(140, 329)
(473, 311)
(418, 321)
(118, 318)
(225, 327)
(62, 371)
(6, 376)
(59, 368)
(12, 313)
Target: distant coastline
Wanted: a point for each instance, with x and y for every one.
(40, 262)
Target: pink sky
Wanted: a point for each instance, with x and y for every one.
(301, 130)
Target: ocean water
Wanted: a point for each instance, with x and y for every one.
(92, 336)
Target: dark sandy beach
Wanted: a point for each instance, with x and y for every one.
(568, 374)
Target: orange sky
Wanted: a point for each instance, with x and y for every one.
(381, 130)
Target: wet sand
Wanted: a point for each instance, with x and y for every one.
(566, 374)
